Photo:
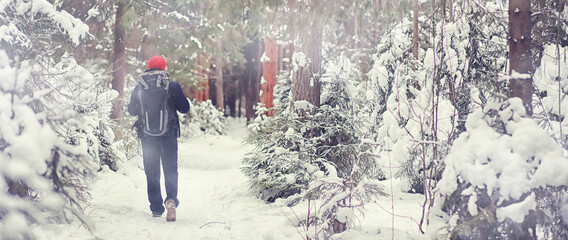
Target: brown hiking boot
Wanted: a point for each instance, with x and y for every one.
(171, 210)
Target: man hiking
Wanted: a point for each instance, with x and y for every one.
(155, 101)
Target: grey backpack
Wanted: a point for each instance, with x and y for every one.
(156, 112)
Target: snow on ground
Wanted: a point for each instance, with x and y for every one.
(215, 202)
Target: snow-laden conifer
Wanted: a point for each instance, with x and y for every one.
(285, 143)
(203, 118)
(422, 105)
(498, 178)
(322, 157)
(55, 118)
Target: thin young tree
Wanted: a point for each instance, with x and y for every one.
(415, 30)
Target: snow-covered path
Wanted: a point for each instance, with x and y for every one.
(215, 202)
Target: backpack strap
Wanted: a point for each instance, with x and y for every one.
(165, 79)
(139, 93)
(143, 83)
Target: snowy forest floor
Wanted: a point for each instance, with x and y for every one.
(216, 202)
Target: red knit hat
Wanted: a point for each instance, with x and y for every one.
(157, 62)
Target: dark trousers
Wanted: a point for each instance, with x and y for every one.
(154, 149)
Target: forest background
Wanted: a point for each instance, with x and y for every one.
(463, 100)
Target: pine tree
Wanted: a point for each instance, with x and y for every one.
(289, 162)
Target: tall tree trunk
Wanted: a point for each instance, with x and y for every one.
(202, 88)
(241, 89)
(119, 61)
(219, 77)
(269, 74)
(520, 52)
(279, 62)
(259, 51)
(251, 80)
(203, 84)
(289, 49)
(305, 79)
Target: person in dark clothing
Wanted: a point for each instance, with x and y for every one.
(162, 148)
(231, 88)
